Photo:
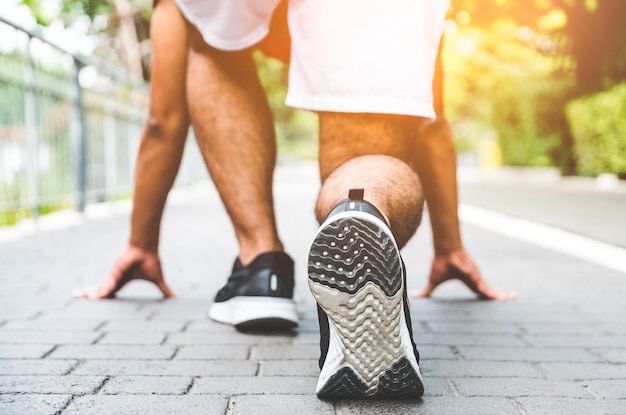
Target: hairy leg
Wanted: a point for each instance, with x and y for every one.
(234, 127)
(159, 156)
(434, 159)
(369, 151)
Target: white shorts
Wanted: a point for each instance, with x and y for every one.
(346, 55)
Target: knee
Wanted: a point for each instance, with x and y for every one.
(389, 183)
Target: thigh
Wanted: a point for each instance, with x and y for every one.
(168, 35)
(345, 136)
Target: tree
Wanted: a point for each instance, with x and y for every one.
(585, 38)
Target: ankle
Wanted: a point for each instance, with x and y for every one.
(248, 252)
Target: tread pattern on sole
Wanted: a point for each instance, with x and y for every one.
(349, 253)
(400, 381)
(343, 384)
(362, 296)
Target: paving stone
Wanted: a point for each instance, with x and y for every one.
(193, 312)
(165, 325)
(24, 351)
(302, 367)
(103, 309)
(613, 355)
(102, 351)
(257, 385)
(436, 387)
(527, 316)
(579, 331)
(616, 328)
(299, 351)
(577, 340)
(279, 405)
(147, 385)
(209, 325)
(308, 337)
(438, 315)
(221, 367)
(32, 404)
(68, 384)
(563, 406)
(436, 352)
(609, 316)
(147, 405)
(440, 405)
(473, 368)
(468, 339)
(516, 387)
(231, 351)
(232, 337)
(609, 389)
(35, 367)
(48, 336)
(571, 328)
(46, 323)
(132, 337)
(584, 371)
(7, 314)
(484, 327)
(528, 354)
(180, 305)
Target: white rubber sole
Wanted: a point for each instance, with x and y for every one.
(241, 310)
(356, 276)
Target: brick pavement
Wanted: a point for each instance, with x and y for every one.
(559, 349)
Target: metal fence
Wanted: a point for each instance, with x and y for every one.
(70, 128)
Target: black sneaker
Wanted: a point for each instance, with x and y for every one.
(258, 296)
(357, 276)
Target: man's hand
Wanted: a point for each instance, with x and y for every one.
(133, 263)
(458, 265)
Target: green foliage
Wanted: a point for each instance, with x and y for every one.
(598, 123)
(583, 41)
(91, 8)
(13, 216)
(499, 88)
(69, 10)
(296, 130)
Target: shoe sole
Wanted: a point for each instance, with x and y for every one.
(356, 276)
(256, 313)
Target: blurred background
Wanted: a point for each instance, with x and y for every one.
(538, 84)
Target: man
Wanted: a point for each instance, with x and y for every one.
(161, 151)
(371, 95)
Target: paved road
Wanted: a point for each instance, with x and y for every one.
(559, 349)
(575, 207)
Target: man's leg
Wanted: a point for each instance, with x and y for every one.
(370, 151)
(235, 130)
(159, 156)
(356, 273)
(434, 159)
